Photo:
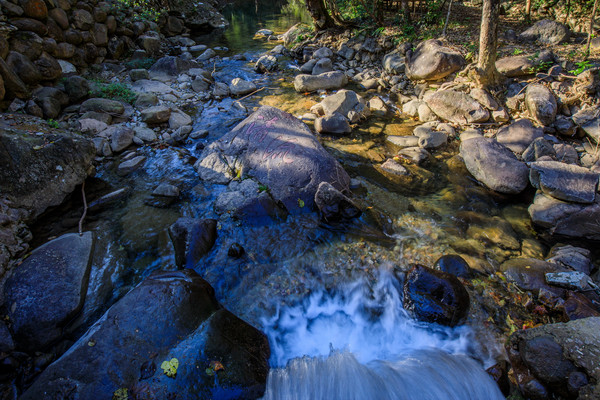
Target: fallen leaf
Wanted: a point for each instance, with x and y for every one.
(120, 394)
(170, 367)
(300, 203)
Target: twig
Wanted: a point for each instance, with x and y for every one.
(250, 94)
(84, 208)
(447, 18)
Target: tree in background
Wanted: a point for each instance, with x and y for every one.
(486, 73)
(318, 12)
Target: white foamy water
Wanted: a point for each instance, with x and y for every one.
(359, 343)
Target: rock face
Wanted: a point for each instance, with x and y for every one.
(192, 238)
(435, 296)
(37, 172)
(519, 135)
(278, 151)
(568, 219)
(494, 165)
(325, 81)
(432, 61)
(564, 181)
(541, 104)
(48, 289)
(546, 32)
(558, 359)
(457, 107)
(170, 315)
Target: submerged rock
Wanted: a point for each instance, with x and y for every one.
(494, 165)
(278, 151)
(435, 296)
(192, 238)
(46, 291)
(334, 205)
(172, 317)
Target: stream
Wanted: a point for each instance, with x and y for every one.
(326, 295)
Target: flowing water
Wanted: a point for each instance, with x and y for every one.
(327, 296)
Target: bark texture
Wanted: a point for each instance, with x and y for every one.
(318, 12)
(488, 41)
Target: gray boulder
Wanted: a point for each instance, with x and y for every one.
(569, 219)
(541, 104)
(192, 238)
(121, 138)
(342, 102)
(557, 360)
(519, 135)
(325, 81)
(562, 181)
(335, 123)
(457, 107)
(133, 164)
(515, 66)
(394, 63)
(48, 289)
(35, 175)
(277, 150)
(494, 165)
(432, 61)
(322, 65)
(546, 32)
(170, 67)
(159, 340)
(241, 87)
(108, 106)
(156, 114)
(266, 63)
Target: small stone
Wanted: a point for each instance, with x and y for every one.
(131, 165)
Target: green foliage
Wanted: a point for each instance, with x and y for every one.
(52, 123)
(144, 63)
(115, 91)
(169, 367)
(517, 51)
(142, 10)
(581, 66)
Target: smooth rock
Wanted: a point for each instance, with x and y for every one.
(518, 135)
(541, 104)
(131, 165)
(432, 61)
(335, 123)
(547, 32)
(325, 81)
(102, 105)
(562, 181)
(456, 107)
(192, 239)
(156, 114)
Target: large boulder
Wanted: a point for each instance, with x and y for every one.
(37, 172)
(435, 296)
(23, 67)
(494, 165)
(166, 338)
(278, 151)
(562, 181)
(48, 289)
(432, 61)
(546, 32)
(541, 104)
(568, 219)
(589, 122)
(456, 107)
(558, 360)
(326, 81)
(519, 135)
(343, 101)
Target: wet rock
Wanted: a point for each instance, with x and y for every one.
(518, 135)
(515, 66)
(246, 200)
(495, 232)
(335, 124)
(102, 105)
(36, 175)
(321, 66)
(220, 90)
(240, 87)
(454, 265)
(530, 274)
(173, 315)
(121, 138)
(235, 250)
(394, 167)
(192, 238)
(207, 55)
(156, 114)
(403, 141)
(456, 107)
(325, 81)
(540, 147)
(577, 306)
(494, 165)
(541, 104)
(562, 218)
(48, 289)
(166, 189)
(435, 296)
(131, 165)
(432, 61)
(417, 155)
(277, 150)
(266, 63)
(562, 181)
(334, 205)
(546, 32)
(146, 135)
(561, 357)
(574, 280)
(77, 88)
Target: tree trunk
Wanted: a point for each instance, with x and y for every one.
(591, 29)
(528, 9)
(488, 42)
(318, 12)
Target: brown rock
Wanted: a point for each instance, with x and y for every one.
(2, 91)
(3, 47)
(50, 45)
(35, 9)
(60, 17)
(100, 35)
(82, 19)
(54, 30)
(100, 15)
(12, 83)
(23, 67)
(27, 43)
(111, 24)
(73, 37)
(29, 24)
(64, 50)
(48, 66)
